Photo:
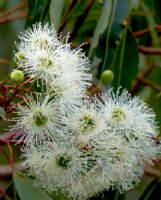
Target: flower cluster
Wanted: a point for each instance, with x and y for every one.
(76, 144)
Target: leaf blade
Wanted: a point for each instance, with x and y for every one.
(56, 8)
(125, 70)
(26, 190)
(101, 25)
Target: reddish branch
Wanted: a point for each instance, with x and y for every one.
(80, 20)
(6, 197)
(146, 30)
(150, 83)
(6, 100)
(16, 8)
(141, 13)
(5, 171)
(141, 78)
(4, 61)
(149, 50)
(14, 13)
(142, 75)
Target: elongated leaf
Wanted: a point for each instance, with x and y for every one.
(110, 37)
(101, 25)
(157, 7)
(120, 12)
(151, 23)
(125, 65)
(26, 190)
(37, 10)
(56, 8)
(149, 190)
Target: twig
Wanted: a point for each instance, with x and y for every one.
(149, 50)
(4, 194)
(80, 20)
(141, 13)
(4, 61)
(146, 30)
(18, 16)
(143, 74)
(5, 171)
(12, 18)
(26, 82)
(151, 171)
(15, 8)
(11, 156)
(150, 84)
(67, 15)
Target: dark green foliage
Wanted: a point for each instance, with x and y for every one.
(125, 63)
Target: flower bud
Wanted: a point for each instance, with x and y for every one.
(107, 77)
(17, 76)
(2, 113)
(19, 56)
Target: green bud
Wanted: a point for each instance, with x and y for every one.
(107, 77)
(19, 56)
(17, 76)
(2, 113)
(64, 161)
(10, 92)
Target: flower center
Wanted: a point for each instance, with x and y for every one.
(40, 119)
(63, 161)
(87, 123)
(19, 56)
(42, 42)
(118, 154)
(118, 115)
(56, 91)
(45, 63)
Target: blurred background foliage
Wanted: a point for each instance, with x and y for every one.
(120, 35)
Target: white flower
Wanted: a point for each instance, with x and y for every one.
(43, 57)
(131, 117)
(121, 164)
(58, 167)
(86, 121)
(46, 65)
(65, 92)
(89, 185)
(39, 35)
(75, 68)
(79, 64)
(79, 145)
(42, 64)
(37, 120)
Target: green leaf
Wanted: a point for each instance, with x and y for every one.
(87, 29)
(125, 65)
(157, 7)
(26, 190)
(37, 11)
(108, 33)
(101, 25)
(56, 8)
(120, 12)
(149, 190)
(151, 23)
